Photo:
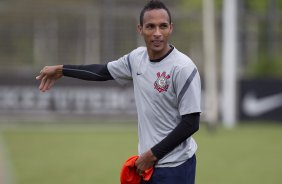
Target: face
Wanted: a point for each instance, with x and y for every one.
(156, 30)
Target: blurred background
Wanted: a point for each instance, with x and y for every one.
(60, 136)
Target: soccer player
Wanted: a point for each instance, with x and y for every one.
(167, 91)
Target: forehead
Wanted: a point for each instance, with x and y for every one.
(156, 16)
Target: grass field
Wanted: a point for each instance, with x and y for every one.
(94, 154)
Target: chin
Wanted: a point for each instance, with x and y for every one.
(157, 49)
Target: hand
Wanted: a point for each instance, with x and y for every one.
(145, 161)
(48, 75)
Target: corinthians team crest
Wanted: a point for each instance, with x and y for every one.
(161, 82)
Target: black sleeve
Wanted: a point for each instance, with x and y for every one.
(187, 127)
(94, 72)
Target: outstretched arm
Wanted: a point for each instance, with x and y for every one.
(95, 72)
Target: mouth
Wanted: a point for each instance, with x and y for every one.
(157, 43)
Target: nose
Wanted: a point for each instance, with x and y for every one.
(157, 32)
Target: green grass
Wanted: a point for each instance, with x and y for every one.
(87, 154)
(249, 154)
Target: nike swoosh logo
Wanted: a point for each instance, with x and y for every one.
(254, 106)
(138, 73)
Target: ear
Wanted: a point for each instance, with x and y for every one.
(171, 28)
(139, 29)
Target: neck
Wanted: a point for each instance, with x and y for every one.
(157, 55)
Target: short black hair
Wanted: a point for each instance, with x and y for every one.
(153, 5)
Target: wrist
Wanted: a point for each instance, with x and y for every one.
(152, 156)
(59, 70)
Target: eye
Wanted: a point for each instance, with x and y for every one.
(164, 26)
(150, 26)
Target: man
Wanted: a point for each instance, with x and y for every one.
(167, 92)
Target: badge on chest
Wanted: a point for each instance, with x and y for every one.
(161, 83)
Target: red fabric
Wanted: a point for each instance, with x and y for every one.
(129, 175)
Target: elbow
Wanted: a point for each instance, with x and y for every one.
(196, 127)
